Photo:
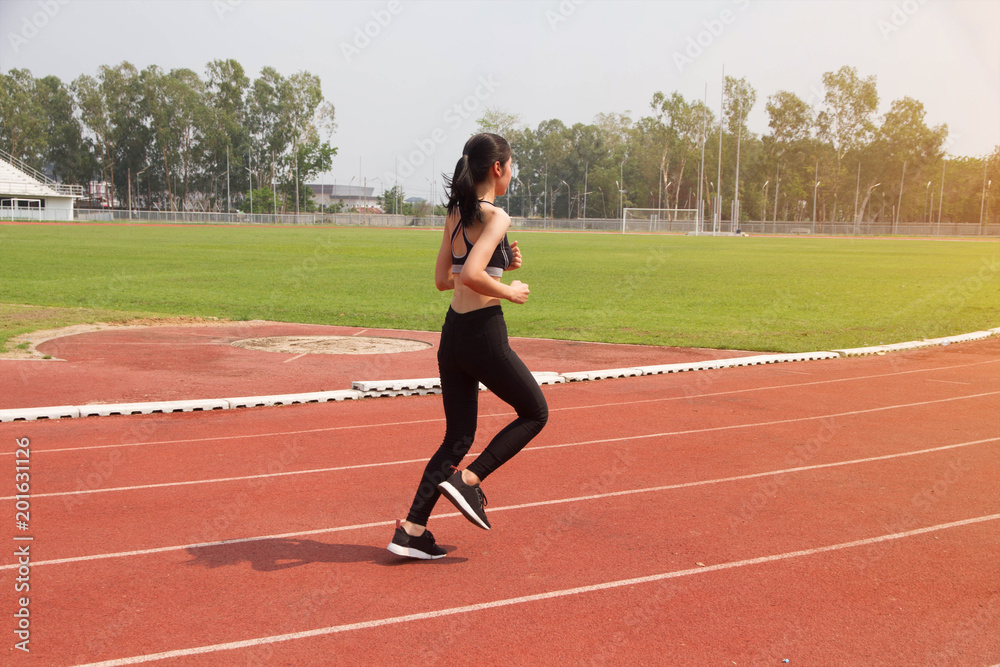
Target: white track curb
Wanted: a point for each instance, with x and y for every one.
(423, 386)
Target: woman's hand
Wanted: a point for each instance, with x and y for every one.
(515, 263)
(518, 292)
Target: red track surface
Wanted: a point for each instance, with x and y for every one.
(140, 364)
(826, 513)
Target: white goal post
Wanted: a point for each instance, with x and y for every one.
(659, 220)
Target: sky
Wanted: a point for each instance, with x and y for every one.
(409, 79)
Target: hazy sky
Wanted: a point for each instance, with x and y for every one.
(409, 79)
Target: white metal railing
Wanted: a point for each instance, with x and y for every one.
(42, 180)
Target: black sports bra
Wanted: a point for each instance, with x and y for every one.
(502, 254)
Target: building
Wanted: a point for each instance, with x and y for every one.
(27, 194)
(352, 196)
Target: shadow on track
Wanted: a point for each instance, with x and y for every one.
(281, 554)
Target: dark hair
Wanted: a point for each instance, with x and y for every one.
(481, 152)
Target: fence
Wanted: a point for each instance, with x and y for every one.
(35, 214)
(573, 224)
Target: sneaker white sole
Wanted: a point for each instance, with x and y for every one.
(462, 505)
(411, 553)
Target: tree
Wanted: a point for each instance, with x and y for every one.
(391, 201)
(791, 150)
(904, 139)
(22, 125)
(226, 134)
(498, 121)
(94, 117)
(66, 153)
(846, 119)
(686, 123)
(790, 119)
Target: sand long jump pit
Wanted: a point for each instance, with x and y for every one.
(332, 344)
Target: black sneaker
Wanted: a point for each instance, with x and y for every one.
(404, 544)
(470, 500)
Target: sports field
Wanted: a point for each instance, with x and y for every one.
(833, 511)
(779, 294)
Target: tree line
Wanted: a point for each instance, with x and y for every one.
(837, 157)
(174, 140)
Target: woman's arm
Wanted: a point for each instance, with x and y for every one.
(474, 274)
(443, 277)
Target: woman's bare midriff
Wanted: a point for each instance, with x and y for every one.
(465, 299)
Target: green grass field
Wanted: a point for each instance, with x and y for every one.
(779, 294)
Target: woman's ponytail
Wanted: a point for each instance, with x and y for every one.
(481, 152)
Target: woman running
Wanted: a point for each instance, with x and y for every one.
(473, 256)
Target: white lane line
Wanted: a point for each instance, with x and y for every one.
(298, 356)
(626, 438)
(524, 599)
(543, 503)
(775, 422)
(592, 406)
(275, 434)
(359, 332)
(220, 479)
(647, 436)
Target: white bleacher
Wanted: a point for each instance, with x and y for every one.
(23, 191)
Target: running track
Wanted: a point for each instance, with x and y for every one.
(825, 513)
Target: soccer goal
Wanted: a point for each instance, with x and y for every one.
(659, 220)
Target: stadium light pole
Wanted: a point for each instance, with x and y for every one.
(249, 169)
(857, 191)
(376, 178)
(229, 200)
(700, 224)
(621, 191)
(815, 188)
(569, 198)
(137, 180)
(545, 193)
(522, 196)
(927, 193)
(717, 218)
(621, 212)
(986, 220)
(868, 199)
(763, 201)
(659, 191)
(667, 188)
(735, 222)
(899, 207)
(586, 172)
(250, 175)
(941, 197)
(777, 186)
(982, 205)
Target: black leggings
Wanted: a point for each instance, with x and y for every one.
(474, 349)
